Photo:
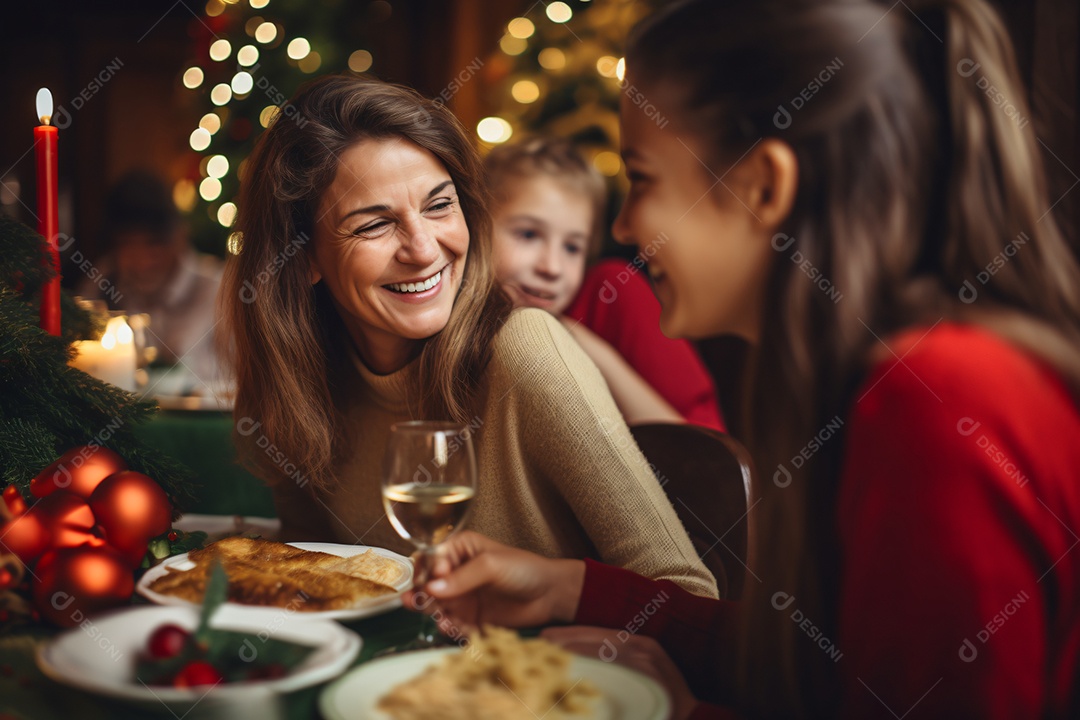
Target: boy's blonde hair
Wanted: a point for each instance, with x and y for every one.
(557, 158)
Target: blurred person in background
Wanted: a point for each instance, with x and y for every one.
(151, 268)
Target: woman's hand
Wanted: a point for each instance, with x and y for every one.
(634, 651)
(477, 581)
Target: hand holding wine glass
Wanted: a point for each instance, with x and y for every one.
(428, 482)
(478, 581)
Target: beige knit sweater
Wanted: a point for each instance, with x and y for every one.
(559, 473)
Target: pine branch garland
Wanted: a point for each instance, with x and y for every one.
(22, 454)
(48, 407)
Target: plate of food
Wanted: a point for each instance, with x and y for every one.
(310, 580)
(160, 656)
(498, 676)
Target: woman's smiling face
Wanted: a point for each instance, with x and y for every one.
(390, 244)
(708, 253)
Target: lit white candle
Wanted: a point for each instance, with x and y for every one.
(112, 358)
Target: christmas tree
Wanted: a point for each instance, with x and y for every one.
(247, 61)
(558, 71)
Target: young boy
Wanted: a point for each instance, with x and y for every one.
(548, 217)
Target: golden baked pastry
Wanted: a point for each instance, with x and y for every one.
(274, 574)
(499, 676)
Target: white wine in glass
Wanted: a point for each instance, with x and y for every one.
(428, 483)
(426, 514)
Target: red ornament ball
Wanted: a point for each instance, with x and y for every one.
(14, 500)
(79, 470)
(133, 553)
(72, 584)
(131, 509)
(68, 519)
(25, 536)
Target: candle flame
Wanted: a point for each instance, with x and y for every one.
(44, 105)
(124, 334)
(117, 332)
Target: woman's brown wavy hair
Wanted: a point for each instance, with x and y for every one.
(912, 180)
(285, 341)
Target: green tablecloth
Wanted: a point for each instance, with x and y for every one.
(202, 440)
(26, 693)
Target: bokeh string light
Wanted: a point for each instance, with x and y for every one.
(541, 48)
(559, 70)
(251, 62)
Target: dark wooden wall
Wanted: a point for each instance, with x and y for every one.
(1047, 37)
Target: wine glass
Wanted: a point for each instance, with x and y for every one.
(428, 483)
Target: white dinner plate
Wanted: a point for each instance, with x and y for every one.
(219, 526)
(192, 402)
(364, 608)
(99, 657)
(625, 693)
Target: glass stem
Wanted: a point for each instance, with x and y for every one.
(429, 631)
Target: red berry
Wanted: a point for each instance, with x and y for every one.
(167, 641)
(197, 672)
(172, 535)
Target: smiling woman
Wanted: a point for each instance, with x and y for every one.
(390, 314)
(390, 244)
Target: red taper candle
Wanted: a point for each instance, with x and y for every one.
(47, 208)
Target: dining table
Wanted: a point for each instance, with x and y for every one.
(224, 494)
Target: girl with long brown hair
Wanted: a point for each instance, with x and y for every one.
(362, 295)
(838, 185)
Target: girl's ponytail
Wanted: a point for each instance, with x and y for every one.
(991, 236)
(1002, 244)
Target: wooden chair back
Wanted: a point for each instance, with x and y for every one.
(707, 476)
